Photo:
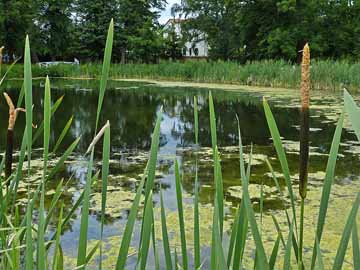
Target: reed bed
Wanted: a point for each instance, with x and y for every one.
(23, 245)
(326, 74)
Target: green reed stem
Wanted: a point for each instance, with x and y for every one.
(301, 235)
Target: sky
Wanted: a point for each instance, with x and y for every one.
(166, 14)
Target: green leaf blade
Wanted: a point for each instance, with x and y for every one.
(329, 178)
(105, 69)
(164, 231)
(181, 216)
(340, 254)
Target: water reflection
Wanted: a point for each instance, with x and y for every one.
(131, 109)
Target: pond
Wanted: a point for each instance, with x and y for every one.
(132, 107)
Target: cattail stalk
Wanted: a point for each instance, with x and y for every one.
(304, 142)
(10, 135)
(304, 121)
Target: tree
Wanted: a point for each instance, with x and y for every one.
(173, 36)
(235, 30)
(340, 28)
(16, 20)
(137, 35)
(141, 31)
(91, 23)
(249, 30)
(173, 42)
(55, 22)
(216, 18)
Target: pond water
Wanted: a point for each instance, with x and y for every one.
(131, 108)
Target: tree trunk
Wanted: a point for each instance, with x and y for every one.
(35, 57)
(123, 56)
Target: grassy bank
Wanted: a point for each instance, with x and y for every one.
(326, 75)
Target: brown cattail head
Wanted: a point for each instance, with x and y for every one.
(304, 121)
(305, 77)
(12, 112)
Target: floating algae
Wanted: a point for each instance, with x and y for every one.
(118, 200)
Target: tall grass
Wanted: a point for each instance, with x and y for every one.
(326, 74)
(26, 246)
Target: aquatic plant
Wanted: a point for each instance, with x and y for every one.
(10, 134)
(23, 245)
(326, 74)
(304, 141)
(304, 121)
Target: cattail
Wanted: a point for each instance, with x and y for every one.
(10, 134)
(304, 121)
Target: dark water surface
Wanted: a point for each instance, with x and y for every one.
(132, 107)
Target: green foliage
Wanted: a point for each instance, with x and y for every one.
(197, 256)
(261, 257)
(181, 216)
(82, 247)
(104, 180)
(249, 30)
(287, 257)
(148, 223)
(137, 36)
(328, 181)
(173, 43)
(340, 255)
(355, 246)
(165, 235)
(105, 69)
(15, 21)
(62, 30)
(281, 154)
(57, 28)
(234, 30)
(149, 172)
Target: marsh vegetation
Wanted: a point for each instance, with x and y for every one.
(326, 74)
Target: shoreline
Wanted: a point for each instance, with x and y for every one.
(230, 87)
(175, 83)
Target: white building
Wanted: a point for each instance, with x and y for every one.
(197, 47)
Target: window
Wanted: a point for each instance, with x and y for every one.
(190, 51)
(196, 51)
(184, 51)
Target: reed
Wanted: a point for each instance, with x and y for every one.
(197, 256)
(181, 217)
(331, 75)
